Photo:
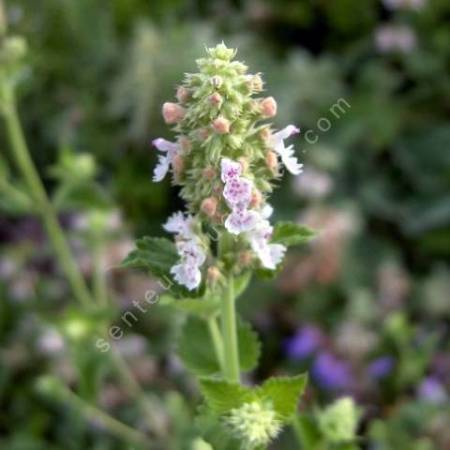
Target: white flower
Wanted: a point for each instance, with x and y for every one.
(230, 170)
(164, 162)
(286, 153)
(187, 271)
(191, 252)
(180, 224)
(241, 220)
(187, 274)
(238, 192)
(269, 254)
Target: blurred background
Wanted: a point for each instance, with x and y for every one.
(365, 308)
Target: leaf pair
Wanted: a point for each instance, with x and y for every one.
(282, 392)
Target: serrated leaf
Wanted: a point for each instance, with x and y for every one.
(290, 233)
(156, 255)
(284, 393)
(197, 352)
(222, 396)
(249, 346)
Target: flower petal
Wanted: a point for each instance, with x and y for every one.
(230, 170)
(241, 220)
(191, 252)
(187, 275)
(164, 145)
(291, 162)
(283, 134)
(238, 191)
(161, 169)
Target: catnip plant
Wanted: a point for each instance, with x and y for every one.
(226, 158)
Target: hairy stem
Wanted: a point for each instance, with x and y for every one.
(229, 332)
(45, 208)
(217, 341)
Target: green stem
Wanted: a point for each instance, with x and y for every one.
(217, 341)
(229, 333)
(114, 426)
(37, 191)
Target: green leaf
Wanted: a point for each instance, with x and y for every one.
(222, 396)
(284, 393)
(156, 255)
(195, 349)
(289, 234)
(198, 355)
(249, 346)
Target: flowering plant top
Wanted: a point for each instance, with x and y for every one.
(226, 158)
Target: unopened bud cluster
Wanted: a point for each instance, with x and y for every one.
(225, 158)
(255, 424)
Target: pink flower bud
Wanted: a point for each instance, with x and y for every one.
(215, 99)
(178, 166)
(272, 160)
(182, 94)
(209, 173)
(256, 199)
(185, 143)
(265, 134)
(172, 112)
(209, 206)
(268, 107)
(221, 125)
(213, 275)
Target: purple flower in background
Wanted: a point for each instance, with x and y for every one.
(331, 372)
(381, 367)
(431, 390)
(304, 342)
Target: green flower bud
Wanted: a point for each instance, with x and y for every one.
(338, 421)
(255, 424)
